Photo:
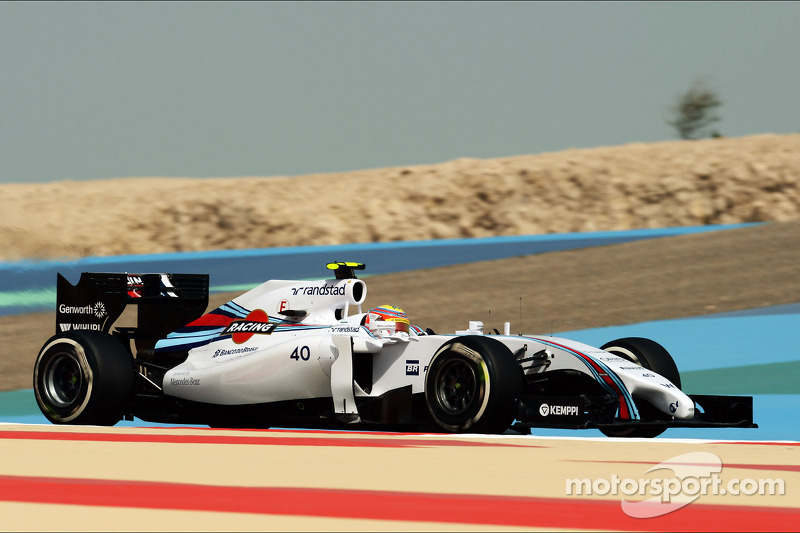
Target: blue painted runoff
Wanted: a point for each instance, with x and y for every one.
(725, 341)
(700, 343)
(251, 267)
(714, 341)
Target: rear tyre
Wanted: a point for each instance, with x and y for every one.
(472, 385)
(83, 378)
(651, 355)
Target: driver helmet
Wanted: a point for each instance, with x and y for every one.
(387, 313)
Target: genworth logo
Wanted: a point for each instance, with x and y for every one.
(98, 309)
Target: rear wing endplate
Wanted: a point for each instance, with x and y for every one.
(166, 301)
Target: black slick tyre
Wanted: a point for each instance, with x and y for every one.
(651, 355)
(472, 385)
(83, 378)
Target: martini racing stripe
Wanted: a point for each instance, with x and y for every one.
(195, 333)
(606, 377)
(182, 343)
(215, 325)
(211, 319)
(298, 327)
(178, 345)
(189, 340)
(235, 309)
(205, 328)
(221, 316)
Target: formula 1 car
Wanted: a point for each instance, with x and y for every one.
(304, 354)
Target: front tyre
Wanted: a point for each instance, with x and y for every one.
(83, 378)
(651, 355)
(472, 385)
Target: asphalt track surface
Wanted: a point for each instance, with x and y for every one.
(164, 478)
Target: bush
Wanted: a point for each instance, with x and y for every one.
(694, 112)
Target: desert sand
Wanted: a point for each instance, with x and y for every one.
(715, 181)
(677, 183)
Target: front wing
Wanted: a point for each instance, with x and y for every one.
(585, 412)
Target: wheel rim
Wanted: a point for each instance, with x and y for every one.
(626, 354)
(63, 380)
(456, 385)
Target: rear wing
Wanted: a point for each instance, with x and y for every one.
(166, 302)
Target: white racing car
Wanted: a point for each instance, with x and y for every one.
(305, 354)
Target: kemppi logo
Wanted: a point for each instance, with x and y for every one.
(558, 410)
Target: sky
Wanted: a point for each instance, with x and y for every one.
(97, 90)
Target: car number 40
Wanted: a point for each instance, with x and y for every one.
(301, 352)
